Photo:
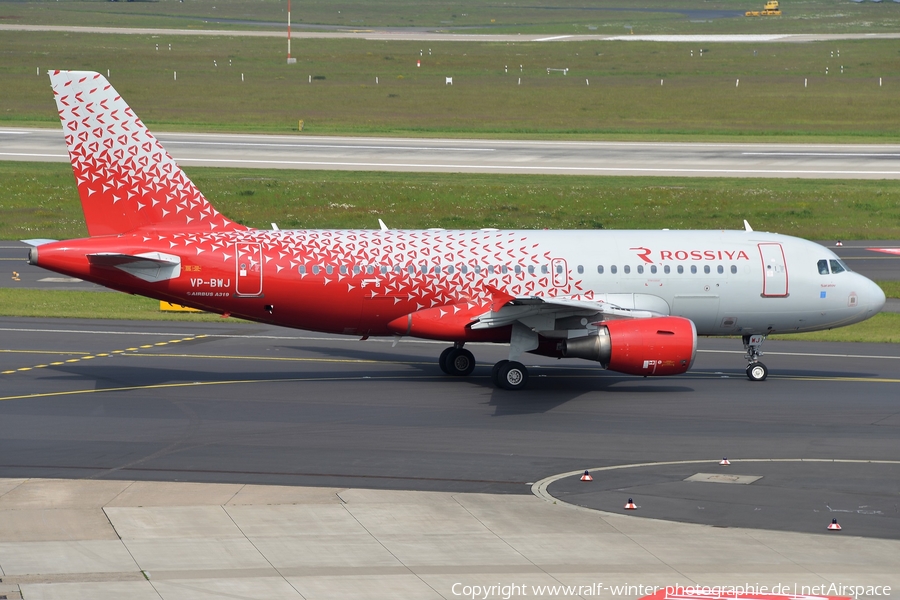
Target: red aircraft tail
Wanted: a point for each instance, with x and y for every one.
(125, 177)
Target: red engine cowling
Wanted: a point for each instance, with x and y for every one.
(657, 346)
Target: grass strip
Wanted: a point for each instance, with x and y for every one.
(40, 200)
(89, 305)
(882, 328)
(612, 90)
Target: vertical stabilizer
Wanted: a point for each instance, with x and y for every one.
(126, 179)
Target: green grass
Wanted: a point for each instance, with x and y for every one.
(884, 327)
(89, 305)
(515, 16)
(891, 288)
(624, 100)
(39, 200)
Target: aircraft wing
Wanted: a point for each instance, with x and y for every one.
(542, 313)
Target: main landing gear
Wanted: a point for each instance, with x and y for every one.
(506, 374)
(457, 361)
(756, 371)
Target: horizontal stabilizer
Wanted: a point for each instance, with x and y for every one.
(38, 242)
(150, 266)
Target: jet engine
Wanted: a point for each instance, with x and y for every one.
(655, 346)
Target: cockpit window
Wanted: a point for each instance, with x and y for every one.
(823, 267)
(837, 266)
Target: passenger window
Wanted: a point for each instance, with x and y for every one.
(329, 269)
(559, 269)
(436, 270)
(412, 269)
(653, 269)
(706, 269)
(315, 269)
(694, 269)
(640, 268)
(478, 269)
(627, 269)
(823, 267)
(491, 269)
(343, 269)
(667, 269)
(733, 269)
(613, 269)
(531, 269)
(837, 266)
(720, 269)
(450, 269)
(370, 270)
(580, 269)
(424, 269)
(680, 269)
(504, 269)
(302, 269)
(383, 269)
(356, 269)
(463, 269)
(518, 269)
(544, 269)
(600, 269)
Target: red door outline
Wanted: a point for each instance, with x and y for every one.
(775, 272)
(248, 268)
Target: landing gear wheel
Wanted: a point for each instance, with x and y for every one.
(442, 361)
(495, 371)
(512, 376)
(459, 362)
(757, 371)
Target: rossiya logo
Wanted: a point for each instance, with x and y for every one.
(683, 255)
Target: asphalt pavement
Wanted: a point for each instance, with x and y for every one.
(818, 161)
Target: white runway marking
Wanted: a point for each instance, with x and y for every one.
(842, 154)
(313, 163)
(336, 146)
(66, 156)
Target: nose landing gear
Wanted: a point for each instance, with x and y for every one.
(756, 371)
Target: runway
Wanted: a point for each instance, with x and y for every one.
(818, 161)
(438, 34)
(242, 403)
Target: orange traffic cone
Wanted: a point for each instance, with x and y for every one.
(630, 505)
(834, 525)
(587, 477)
(724, 462)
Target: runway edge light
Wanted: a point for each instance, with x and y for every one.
(630, 505)
(724, 462)
(587, 477)
(834, 526)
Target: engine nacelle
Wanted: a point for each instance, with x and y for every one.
(657, 346)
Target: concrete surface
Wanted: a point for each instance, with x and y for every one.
(679, 159)
(210, 541)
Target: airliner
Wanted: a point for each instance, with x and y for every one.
(632, 301)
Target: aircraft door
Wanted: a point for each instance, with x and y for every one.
(560, 272)
(775, 274)
(248, 259)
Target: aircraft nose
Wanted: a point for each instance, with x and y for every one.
(877, 297)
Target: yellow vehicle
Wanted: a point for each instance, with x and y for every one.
(771, 10)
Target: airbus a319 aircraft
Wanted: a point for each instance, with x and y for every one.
(632, 301)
